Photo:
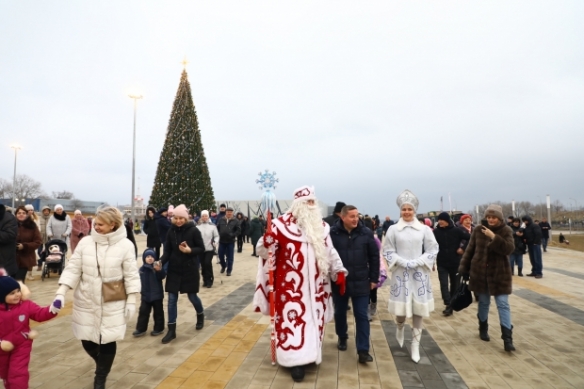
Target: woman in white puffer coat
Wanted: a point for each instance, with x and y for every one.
(96, 323)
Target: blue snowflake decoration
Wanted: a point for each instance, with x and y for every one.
(267, 183)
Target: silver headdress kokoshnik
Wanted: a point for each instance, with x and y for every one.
(407, 197)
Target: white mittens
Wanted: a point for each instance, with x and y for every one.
(130, 311)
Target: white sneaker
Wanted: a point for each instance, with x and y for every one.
(30, 277)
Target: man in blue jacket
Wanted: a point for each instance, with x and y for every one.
(358, 251)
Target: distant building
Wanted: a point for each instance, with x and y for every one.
(251, 208)
(139, 208)
(86, 207)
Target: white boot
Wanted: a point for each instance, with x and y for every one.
(399, 333)
(416, 337)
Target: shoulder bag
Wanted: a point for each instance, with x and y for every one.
(113, 290)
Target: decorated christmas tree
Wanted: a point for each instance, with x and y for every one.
(182, 176)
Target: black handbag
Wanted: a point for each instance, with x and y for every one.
(462, 298)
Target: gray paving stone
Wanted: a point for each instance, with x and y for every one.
(566, 272)
(553, 305)
(453, 381)
(225, 309)
(410, 378)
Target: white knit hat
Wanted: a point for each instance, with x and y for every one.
(205, 212)
(58, 206)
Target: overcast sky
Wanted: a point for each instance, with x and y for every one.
(482, 100)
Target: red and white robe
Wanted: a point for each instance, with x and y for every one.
(303, 297)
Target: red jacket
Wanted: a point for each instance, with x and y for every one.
(14, 327)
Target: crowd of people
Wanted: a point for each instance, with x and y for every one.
(321, 269)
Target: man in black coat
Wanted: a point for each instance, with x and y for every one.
(8, 232)
(449, 240)
(545, 233)
(332, 219)
(532, 235)
(229, 230)
(356, 246)
(386, 224)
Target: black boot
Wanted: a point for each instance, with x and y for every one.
(171, 334)
(297, 373)
(484, 329)
(520, 271)
(93, 353)
(507, 336)
(104, 365)
(200, 321)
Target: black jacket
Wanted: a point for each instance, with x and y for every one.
(228, 230)
(163, 225)
(150, 229)
(545, 229)
(360, 257)
(386, 225)
(331, 219)
(256, 230)
(449, 240)
(8, 233)
(532, 233)
(183, 269)
(518, 240)
(151, 281)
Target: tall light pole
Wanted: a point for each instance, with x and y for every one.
(571, 213)
(135, 97)
(16, 148)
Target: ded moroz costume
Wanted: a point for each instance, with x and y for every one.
(305, 264)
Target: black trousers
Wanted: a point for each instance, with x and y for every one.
(444, 273)
(239, 243)
(144, 315)
(21, 274)
(207, 267)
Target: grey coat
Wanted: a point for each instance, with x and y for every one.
(57, 228)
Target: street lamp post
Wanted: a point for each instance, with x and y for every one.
(16, 148)
(571, 213)
(135, 97)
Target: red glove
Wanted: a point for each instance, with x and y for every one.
(341, 282)
(269, 239)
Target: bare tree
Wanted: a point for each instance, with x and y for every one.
(77, 204)
(27, 188)
(557, 206)
(5, 189)
(64, 195)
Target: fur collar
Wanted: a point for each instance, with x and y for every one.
(416, 225)
(60, 217)
(27, 223)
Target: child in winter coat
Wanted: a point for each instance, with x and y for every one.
(151, 276)
(15, 333)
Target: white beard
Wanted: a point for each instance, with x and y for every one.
(309, 220)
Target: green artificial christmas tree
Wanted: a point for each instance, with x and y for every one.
(182, 176)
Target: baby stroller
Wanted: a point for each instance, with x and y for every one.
(53, 257)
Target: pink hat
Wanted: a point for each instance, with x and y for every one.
(181, 211)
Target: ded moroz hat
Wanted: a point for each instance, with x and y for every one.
(304, 193)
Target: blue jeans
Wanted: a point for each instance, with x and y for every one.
(516, 259)
(226, 249)
(173, 299)
(544, 242)
(503, 307)
(534, 251)
(360, 305)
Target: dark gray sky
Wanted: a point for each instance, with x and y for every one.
(482, 100)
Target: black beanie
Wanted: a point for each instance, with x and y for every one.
(7, 285)
(339, 206)
(444, 216)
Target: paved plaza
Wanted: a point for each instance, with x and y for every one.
(232, 351)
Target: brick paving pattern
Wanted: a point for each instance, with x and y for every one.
(232, 351)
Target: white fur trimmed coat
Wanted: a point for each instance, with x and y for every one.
(93, 319)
